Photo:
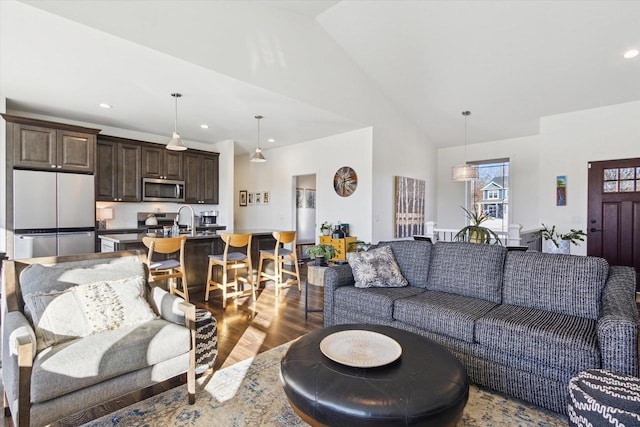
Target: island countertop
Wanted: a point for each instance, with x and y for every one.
(200, 235)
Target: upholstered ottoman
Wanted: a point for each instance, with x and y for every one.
(206, 340)
(598, 397)
(425, 386)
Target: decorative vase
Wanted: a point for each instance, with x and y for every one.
(564, 247)
(325, 232)
(319, 261)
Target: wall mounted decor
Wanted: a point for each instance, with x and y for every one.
(561, 190)
(409, 206)
(266, 197)
(309, 198)
(258, 198)
(243, 197)
(299, 197)
(250, 198)
(345, 181)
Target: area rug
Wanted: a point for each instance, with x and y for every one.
(249, 394)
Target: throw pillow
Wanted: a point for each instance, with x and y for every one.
(376, 268)
(82, 310)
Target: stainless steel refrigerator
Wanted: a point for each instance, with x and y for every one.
(53, 214)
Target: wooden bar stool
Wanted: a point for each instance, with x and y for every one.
(168, 268)
(232, 261)
(280, 255)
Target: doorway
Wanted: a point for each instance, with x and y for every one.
(305, 212)
(614, 212)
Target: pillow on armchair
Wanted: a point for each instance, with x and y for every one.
(376, 268)
(60, 312)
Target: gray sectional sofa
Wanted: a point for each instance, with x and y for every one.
(522, 323)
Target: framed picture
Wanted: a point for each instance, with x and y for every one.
(409, 206)
(309, 198)
(243, 197)
(258, 198)
(250, 198)
(266, 197)
(299, 198)
(561, 190)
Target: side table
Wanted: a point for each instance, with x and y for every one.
(315, 276)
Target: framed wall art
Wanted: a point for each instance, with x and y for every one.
(250, 198)
(561, 190)
(409, 206)
(257, 199)
(309, 198)
(243, 198)
(345, 181)
(299, 197)
(266, 197)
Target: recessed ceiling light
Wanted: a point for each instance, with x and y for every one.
(204, 126)
(631, 53)
(271, 140)
(105, 105)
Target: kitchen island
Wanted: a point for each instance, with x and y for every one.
(197, 249)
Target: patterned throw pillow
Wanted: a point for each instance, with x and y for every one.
(82, 310)
(376, 268)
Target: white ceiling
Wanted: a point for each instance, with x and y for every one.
(509, 62)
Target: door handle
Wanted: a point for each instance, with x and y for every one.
(593, 230)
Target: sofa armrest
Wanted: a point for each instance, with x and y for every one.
(335, 277)
(167, 305)
(18, 352)
(618, 322)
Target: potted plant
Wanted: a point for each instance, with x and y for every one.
(475, 232)
(322, 253)
(359, 246)
(325, 228)
(557, 243)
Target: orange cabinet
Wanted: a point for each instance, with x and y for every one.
(342, 246)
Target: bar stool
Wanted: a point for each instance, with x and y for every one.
(168, 268)
(232, 261)
(280, 255)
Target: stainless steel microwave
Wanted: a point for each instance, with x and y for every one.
(162, 190)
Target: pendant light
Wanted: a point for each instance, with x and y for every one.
(257, 155)
(176, 143)
(464, 172)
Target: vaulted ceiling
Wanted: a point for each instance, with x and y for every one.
(509, 62)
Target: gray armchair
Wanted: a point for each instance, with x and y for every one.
(82, 330)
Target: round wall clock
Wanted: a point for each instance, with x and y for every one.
(345, 181)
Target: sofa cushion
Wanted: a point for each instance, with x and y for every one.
(443, 313)
(470, 269)
(83, 310)
(77, 364)
(561, 283)
(413, 258)
(376, 302)
(553, 339)
(376, 268)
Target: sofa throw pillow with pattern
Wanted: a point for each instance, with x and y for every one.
(376, 268)
(64, 315)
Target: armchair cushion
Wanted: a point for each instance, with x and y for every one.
(80, 363)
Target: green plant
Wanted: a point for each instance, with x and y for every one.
(573, 236)
(325, 226)
(326, 251)
(359, 246)
(475, 232)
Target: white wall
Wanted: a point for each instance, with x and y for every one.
(322, 157)
(523, 156)
(125, 213)
(3, 188)
(565, 145)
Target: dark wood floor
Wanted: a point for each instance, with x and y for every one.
(245, 329)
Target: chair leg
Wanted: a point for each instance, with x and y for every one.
(259, 273)
(251, 282)
(185, 285)
(295, 263)
(224, 286)
(208, 282)
(277, 274)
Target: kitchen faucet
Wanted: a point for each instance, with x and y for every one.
(193, 218)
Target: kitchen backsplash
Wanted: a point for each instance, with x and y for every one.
(125, 214)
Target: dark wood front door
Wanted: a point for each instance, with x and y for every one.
(614, 212)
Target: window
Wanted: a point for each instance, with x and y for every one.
(489, 193)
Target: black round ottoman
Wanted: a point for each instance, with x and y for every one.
(425, 386)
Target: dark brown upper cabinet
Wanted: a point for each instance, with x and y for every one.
(44, 145)
(160, 163)
(201, 173)
(118, 177)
